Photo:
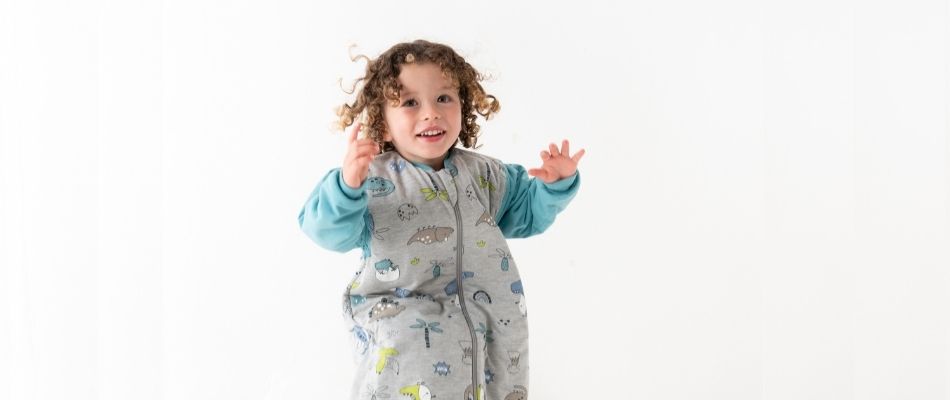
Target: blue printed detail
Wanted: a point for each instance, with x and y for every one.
(442, 368)
(379, 186)
(397, 165)
(453, 288)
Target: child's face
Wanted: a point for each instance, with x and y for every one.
(428, 100)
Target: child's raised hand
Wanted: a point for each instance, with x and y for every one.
(359, 153)
(557, 164)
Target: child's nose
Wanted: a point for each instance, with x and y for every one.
(430, 112)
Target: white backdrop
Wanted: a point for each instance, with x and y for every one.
(763, 213)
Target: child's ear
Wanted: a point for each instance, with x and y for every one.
(387, 137)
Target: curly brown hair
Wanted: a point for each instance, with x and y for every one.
(382, 83)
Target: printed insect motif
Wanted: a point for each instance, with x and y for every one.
(485, 183)
(386, 271)
(385, 308)
(453, 287)
(485, 331)
(437, 266)
(486, 218)
(479, 395)
(432, 193)
(431, 234)
(376, 393)
(418, 391)
(427, 326)
(470, 193)
(379, 186)
(406, 211)
(371, 226)
(387, 360)
(505, 257)
(397, 165)
(482, 296)
(442, 368)
(520, 393)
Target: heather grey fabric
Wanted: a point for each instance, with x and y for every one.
(437, 307)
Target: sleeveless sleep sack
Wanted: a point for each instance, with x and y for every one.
(436, 308)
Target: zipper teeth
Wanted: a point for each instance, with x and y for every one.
(468, 321)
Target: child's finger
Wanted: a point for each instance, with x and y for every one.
(354, 132)
(545, 155)
(577, 157)
(553, 149)
(565, 148)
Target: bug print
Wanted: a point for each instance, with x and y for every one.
(376, 393)
(379, 186)
(505, 258)
(431, 234)
(470, 193)
(437, 266)
(485, 183)
(432, 193)
(406, 211)
(371, 226)
(397, 165)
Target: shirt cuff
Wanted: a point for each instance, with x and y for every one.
(352, 193)
(562, 184)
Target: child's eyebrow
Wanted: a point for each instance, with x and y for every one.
(407, 93)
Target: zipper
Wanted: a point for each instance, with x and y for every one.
(459, 277)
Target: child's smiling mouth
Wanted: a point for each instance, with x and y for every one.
(431, 135)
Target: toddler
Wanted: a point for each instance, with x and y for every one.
(436, 307)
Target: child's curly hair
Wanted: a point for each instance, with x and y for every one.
(381, 82)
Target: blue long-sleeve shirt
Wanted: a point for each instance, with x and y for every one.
(333, 215)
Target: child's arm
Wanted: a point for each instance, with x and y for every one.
(530, 205)
(333, 215)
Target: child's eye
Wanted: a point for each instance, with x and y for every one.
(446, 97)
(406, 103)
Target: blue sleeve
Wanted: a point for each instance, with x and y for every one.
(530, 205)
(333, 214)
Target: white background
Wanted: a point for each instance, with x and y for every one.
(763, 212)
